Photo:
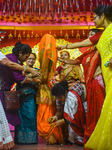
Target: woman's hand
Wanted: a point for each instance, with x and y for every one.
(35, 72)
(61, 47)
(37, 79)
(60, 122)
(52, 119)
(60, 59)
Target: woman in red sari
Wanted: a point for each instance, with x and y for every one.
(94, 86)
(73, 100)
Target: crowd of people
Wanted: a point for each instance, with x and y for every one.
(76, 109)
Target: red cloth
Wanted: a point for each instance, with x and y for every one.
(95, 92)
(59, 69)
(78, 120)
(94, 39)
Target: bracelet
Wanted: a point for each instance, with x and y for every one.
(55, 117)
(31, 79)
(24, 68)
(63, 120)
(30, 75)
(66, 46)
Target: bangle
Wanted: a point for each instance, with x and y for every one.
(31, 79)
(63, 120)
(30, 75)
(55, 117)
(24, 68)
(66, 46)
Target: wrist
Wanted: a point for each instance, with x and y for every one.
(63, 120)
(66, 46)
(56, 118)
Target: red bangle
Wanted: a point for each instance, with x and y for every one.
(67, 46)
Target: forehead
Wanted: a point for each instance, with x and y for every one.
(32, 56)
(91, 33)
(63, 53)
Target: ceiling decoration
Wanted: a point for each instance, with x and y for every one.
(54, 11)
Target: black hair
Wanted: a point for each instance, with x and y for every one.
(34, 55)
(104, 9)
(24, 48)
(94, 30)
(60, 88)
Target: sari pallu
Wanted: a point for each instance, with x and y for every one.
(95, 90)
(74, 113)
(46, 102)
(72, 73)
(102, 135)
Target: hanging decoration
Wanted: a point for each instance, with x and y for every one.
(10, 36)
(19, 37)
(24, 34)
(77, 35)
(48, 10)
(36, 36)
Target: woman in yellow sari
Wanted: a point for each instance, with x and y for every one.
(101, 138)
(71, 73)
(46, 102)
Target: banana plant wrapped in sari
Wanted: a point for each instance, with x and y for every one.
(46, 102)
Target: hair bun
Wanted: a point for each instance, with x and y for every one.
(18, 44)
(108, 11)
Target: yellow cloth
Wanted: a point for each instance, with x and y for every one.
(101, 138)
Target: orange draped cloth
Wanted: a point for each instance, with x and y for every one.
(46, 102)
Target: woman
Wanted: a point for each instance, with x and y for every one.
(26, 132)
(20, 53)
(5, 61)
(94, 85)
(71, 73)
(46, 108)
(6, 140)
(101, 137)
(74, 113)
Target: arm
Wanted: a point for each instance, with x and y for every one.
(87, 42)
(36, 79)
(16, 66)
(84, 43)
(69, 61)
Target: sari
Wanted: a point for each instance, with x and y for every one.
(46, 102)
(72, 72)
(75, 113)
(26, 132)
(94, 87)
(101, 138)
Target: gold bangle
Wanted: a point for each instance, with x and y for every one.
(63, 121)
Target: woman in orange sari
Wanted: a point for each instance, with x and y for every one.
(46, 102)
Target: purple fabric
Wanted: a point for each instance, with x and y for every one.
(10, 76)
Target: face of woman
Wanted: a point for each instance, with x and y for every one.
(91, 33)
(64, 55)
(24, 57)
(61, 98)
(31, 60)
(98, 20)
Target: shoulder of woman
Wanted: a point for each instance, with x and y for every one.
(12, 57)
